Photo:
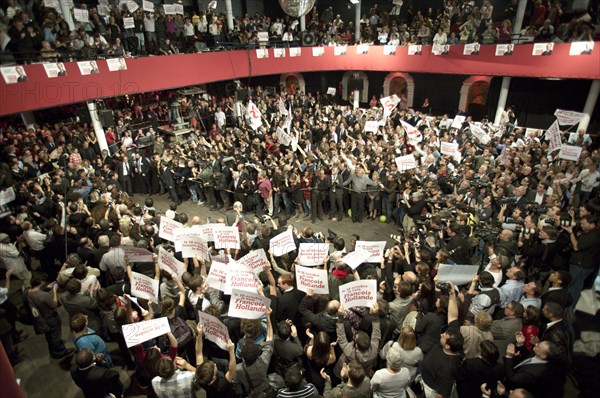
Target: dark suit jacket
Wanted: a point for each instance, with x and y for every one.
(559, 296)
(559, 334)
(531, 196)
(287, 353)
(473, 373)
(145, 166)
(287, 305)
(97, 382)
(542, 380)
(120, 169)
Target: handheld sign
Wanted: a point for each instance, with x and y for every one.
(255, 260)
(283, 243)
(214, 330)
(356, 258)
(193, 246)
(138, 254)
(217, 276)
(246, 305)
(312, 254)
(226, 237)
(361, 293)
(240, 277)
(144, 287)
(140, 332)
(167, 228)
(374, 248)
(169, 263)
(313, 278)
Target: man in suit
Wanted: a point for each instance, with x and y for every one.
(503, 330)
(336, 195)
(556, 331)
(288, 350)
(558, 293)
(539, 195)
(520, 199)
(548, 50)
(289, 300)
(125, 169)
(61, 69)
(142, 169)
(540, 374)
(95, 381)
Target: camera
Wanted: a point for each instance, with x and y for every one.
(264, 218)
(444, 287)
(526, 231)
(509, 220)
(506, 200)
(331, 236)
(480, 184)
(569, 223)
(397, 238)
(319, 235)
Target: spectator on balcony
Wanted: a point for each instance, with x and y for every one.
(150, 29)
(490, 35)
(440, 37)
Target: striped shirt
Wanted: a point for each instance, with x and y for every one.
(306, 391)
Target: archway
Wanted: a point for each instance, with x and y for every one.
(400, 83)
(293, 81)
(473, 96)
(353, 80)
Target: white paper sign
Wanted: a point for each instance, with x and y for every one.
(457, 274)
(449, 148)
(128, 23)
(140, 332)
(183, 232)
(178, 9)
(340, 50)
(240, 277)
(295, 51)
(331, 90)
(227, 237)
(55, 70)
(279, 52)
(116, 64)
(192, 246)
(568, 118)
(138, 254)
(570, 152)
(313, 278)
(81, 15)
(282, 243)
(144, 287)
(311, 254)
(262, 53)
(169, 9)
(413, 134)
(217, 276)
(168, 262)
(371, 125)
(318, 51)
(389, 49)
(471, 49)
(356, 258)
(406, 162)
(254, 114)
(207, 233)
(256, 260)
(132, 6)
(361, 293)
(458, 121)
(362, 49)
(542, 49)
(283, 137)
(389, 103)
(581, 48)
(214, 329)
(415, 49)
(167, 228)
(148, 6)
(7, 195)
(246, 305)
(553, 137)
(374, 248)
(479, 133)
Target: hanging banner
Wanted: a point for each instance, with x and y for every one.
(144, 287)
(214, 329)
(361, 293)
(246, 305)
(374, 248)
(315, 279)
(140, 332)
(311, 254)
(256, 260)
(282, 243)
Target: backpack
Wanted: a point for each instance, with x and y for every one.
(182, 332)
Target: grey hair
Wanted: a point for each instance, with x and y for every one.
(394, 360)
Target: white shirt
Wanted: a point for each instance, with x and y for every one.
(11, 258)
(35, 240)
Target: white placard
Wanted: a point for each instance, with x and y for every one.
(214, 329)
(116, 64)
(318, 51)
(413, 134)
(103, 9)
(282, 243)
(182, 232)
(479, 133)
(568, 118)
(128, 23)
(52, 4)
(295, 51)
(246, 305)
(227, 237)
(283, 137)
(217, 276)
(262, 53)
(458, 121)
(406, 162)
(313, 278)
(254, 114)
(207, 233)
(256, 260)
(7, 195)
(55, 70)
(178, 9)
(311, 254)
(542, 49)
(88, 67)
(13, 74)
(356, 258)
(193, 246)
(169, 9)
(140, 332)
(581, 48)
(449, 148)
(371, 125)
(132, 6)
(415, 49)
(240, 277)
(361, 293)
(279, 52)
(389, 49)
(331, 91)
(553, 137)
(167, 228)
(457, 274)
(504, 50)
(471, 49)
(374, 248)
(138, 254)
(340, 50)
(440, 49)
(148, 6)
(81, 15)
(362, 49)
(144, 287)
(389, 103)
(168, 262)
(570, 152)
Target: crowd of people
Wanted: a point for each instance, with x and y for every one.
(528, 218)
(30, 31)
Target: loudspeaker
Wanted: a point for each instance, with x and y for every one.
(308, 38)
(106, 118)
(83, 115)
(241, 95)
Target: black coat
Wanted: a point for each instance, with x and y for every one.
(473, 373)
(97, 382)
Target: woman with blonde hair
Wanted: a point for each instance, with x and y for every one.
(406, 347)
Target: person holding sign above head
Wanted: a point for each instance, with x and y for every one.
(215, 383)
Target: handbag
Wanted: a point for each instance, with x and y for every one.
(40, 326)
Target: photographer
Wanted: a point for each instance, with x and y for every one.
(457, 244)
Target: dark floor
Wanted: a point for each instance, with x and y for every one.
(41, 376)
